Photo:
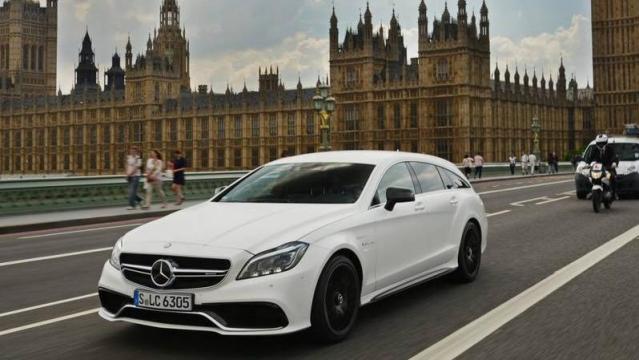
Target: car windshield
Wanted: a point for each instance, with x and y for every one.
(624, 151)
(307, 183)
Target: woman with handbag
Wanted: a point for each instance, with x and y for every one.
(154, 168)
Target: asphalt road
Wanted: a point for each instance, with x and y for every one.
(537, 227)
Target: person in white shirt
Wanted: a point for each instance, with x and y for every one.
(524, 164)
(479, 165)
(133, 164)
(512, 162)
(532, 160)
(468, 165)
(154, 169)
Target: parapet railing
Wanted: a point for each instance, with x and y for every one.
(27, 196)
(37, 195)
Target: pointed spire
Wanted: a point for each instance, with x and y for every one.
(319, 82)
(299, 82)
(333, 19)
(368, 15)
(446, 14)
(484, 8)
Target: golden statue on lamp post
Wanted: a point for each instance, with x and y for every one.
(324, 104)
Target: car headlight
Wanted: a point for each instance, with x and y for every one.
(596, 175)
(115, 255)
(274, 261)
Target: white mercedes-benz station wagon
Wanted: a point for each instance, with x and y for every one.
(300, 242)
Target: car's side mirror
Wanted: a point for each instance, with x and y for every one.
(219, 189)
(396, 195)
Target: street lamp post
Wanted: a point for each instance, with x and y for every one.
(325, 106)
(536, 129)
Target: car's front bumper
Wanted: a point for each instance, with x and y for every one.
(269, 305)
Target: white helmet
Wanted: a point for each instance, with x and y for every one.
(602, 140)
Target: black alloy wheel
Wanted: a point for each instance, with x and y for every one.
(469, 258)
(336, 301)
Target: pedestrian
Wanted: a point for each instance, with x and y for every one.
(154, 168)
(551, 167)
(467, 165)
(479, 165)
(132, 170)
(555, 162)
(179, 167)
(532, 162)
(524, 164)
(512, 161)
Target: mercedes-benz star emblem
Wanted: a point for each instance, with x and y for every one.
(162, 273)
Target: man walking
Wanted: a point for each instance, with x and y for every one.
(532, 160)
(468, 165)
(524, 164)
(479, 165)
(512, 161)
(133, 164)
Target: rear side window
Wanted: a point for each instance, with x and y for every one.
(452, 181)
(428, 177)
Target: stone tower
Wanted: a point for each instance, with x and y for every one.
(615, 30)
(454, 67)
(28, 48)
(86, 74)
(163, 70)
(114, 77)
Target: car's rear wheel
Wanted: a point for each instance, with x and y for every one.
(336, 301)
(469, 257)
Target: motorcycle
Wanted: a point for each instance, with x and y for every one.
(601, 189)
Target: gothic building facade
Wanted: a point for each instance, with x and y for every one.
(615, 46)
(149, 104)
(28, 48)
(444, 101)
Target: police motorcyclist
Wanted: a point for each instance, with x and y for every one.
(604, 154)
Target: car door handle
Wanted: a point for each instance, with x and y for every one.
(420, 206)
(454, 201)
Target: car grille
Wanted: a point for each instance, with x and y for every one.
(190, 273)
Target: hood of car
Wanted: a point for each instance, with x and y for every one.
(243, 226)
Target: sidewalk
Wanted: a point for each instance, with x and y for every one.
(59, 219)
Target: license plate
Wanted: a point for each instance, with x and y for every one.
(151, 300)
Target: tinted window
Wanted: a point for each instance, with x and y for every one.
(624, 151)
(307, 183)
(397, 176)
(452, 181)
(428, 177)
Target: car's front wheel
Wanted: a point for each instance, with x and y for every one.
(469, 257)
(336, 301)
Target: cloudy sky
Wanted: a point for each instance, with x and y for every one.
(231, 38)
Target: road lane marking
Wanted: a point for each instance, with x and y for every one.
(521, 203)
(525, 187)
(58, 256)
(47, 322)
(59, 302)
(498, 213)
(78, 231)
(552, 200)
(468, 336)
(569, 193)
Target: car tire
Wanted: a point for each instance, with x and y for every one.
(336, 301)
(469, 257)
(582, 195)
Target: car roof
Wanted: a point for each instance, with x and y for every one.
(619, 139)
(363, 157)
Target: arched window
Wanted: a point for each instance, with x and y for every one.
(41, 58)
(25, 57)
(34, 53)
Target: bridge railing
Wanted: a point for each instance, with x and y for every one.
(36, 195)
